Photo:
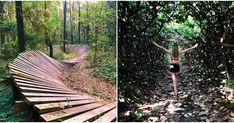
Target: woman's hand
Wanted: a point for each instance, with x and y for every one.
(196, 45)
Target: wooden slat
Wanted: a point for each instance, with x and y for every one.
(43, 61)
(41, 87)
(39, 67)
(24, 79)
(46, 84)
(27, 75)
(30, 94)
(90, 114)
(34, 100)
(108, 117)
(42, 108)
(24, 73)
(68, 112)
(31, 68)
(28, 89)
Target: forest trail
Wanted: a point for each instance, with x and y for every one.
(80, 79)
(192, 103)
(80, 49)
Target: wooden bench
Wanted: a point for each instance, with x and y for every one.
(37, 77)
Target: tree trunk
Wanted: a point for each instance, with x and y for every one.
(1, 21)
(2, 37)
(64, 26)
(78, 22)
(96, 40)
(87, 26)
(71, 21)
(20, 26)
(47, 39)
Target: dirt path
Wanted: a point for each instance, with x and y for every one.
(80, 79)
(193, 104)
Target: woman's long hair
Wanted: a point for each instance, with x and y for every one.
(175, 50)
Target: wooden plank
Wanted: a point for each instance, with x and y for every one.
(90, 114)
(34, 100)
(40, 67)
(31, 80)
(42, 61)
(41, 87)
(35, 68)
(29, 94)
(51, 61)
(41, 84)
(19, 71)
(69, 112)
(29, 69)
(28, 89)
(49, 107)
(108, 117)
(27, 75)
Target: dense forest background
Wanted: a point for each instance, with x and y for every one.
(51, 26)
(141, 65)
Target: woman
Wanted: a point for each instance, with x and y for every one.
(174, 66)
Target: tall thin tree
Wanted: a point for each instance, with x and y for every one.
(87, 25)
(79, 22)
(47, 39)
(64, 26)
(2, 36)
(71, 21)
(20, 26)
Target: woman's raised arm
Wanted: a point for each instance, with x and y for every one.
(166, 50)
(188, 49)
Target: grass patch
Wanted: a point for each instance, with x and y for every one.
(64, 56)
(105, 66)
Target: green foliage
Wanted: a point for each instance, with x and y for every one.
(167, 57)
(6, 104)
(105, 71)
(58, 54)
(105, 65)
(137, 114)
(4, 73)
(232, 105)
(230, 83)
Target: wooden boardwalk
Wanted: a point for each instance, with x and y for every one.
(37, 77)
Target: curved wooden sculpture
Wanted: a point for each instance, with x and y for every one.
(37, 77)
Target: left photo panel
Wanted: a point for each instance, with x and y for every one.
(58, 61)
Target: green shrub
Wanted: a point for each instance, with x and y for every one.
(105, 65)
(61, 56)
(230, 83)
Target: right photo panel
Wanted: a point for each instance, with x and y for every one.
(175, 61)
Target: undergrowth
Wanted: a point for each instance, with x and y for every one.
(64, 56)
(6, 97)
(105, 65)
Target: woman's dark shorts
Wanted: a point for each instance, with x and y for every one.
(174, 67)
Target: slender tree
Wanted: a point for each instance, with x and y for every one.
(47, 39)
(78, 22)
(64, 26)
(20, 26)
(2, 36)
(87, 26)
(71, 21)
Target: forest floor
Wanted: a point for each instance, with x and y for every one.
(194, 102)
(80, 78)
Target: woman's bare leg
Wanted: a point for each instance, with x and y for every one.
(173, 76)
